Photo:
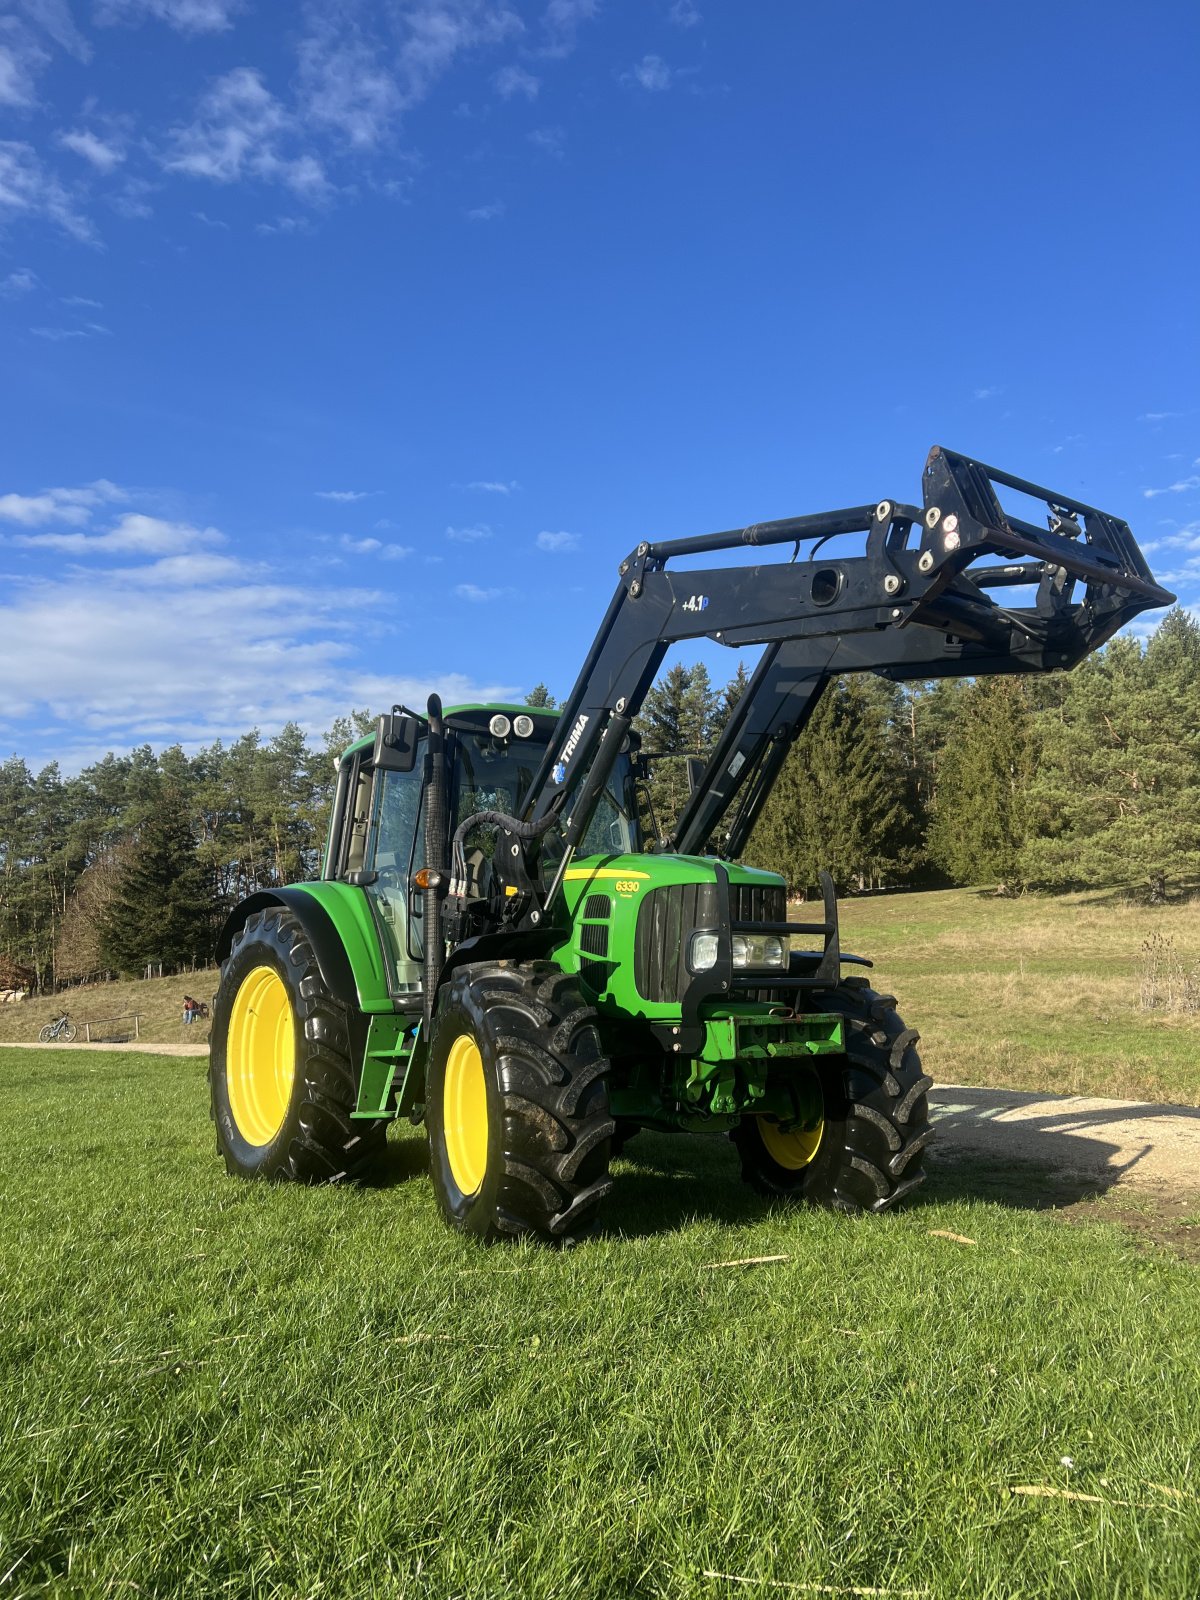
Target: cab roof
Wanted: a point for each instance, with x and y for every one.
(368, 739)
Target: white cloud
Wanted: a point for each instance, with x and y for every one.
(27, 188)
(90, 330)
(558, 543)
(344, 496)
(103, 155)
(210, 222)
(54, 18)
(72, 506)
(487, 213)
(988, 393)
(553, 141)
(82, 301)
(22, 281)
(510, 81)
(372, 547)
(561, 22)
(684, 14)
(472, 535)
(185, 16)
(491, 486)
(1159, 416)
(1183, 486)
(651, 73)
(241, 130)
(132, 534)
(344, 86)
(21, 59)
(284, 225)
(200, 646)
(477, 596)
(434, 32)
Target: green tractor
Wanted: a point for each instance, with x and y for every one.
(505, 945)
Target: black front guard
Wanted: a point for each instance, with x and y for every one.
(724, 981)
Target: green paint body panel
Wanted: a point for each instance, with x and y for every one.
(389, 1047)
(625, 879)
(349, 910)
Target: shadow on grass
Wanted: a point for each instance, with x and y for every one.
(1046, 1159)
(403, 1160)
(664, 1181)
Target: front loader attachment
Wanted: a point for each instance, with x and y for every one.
(969, 540)
(962, 586)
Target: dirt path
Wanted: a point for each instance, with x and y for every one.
(1069, 1139)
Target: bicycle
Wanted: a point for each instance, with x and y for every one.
(63, 1028)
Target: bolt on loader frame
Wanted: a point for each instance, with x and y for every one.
(493, 948)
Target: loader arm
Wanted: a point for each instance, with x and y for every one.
(916, 599)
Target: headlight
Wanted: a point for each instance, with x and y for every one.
(702, 952)
(757, 950)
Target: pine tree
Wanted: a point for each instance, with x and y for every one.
(678, 720)
(539, 695)
(1117, 795)
(164, 909)
(980, 822)
(842, 800)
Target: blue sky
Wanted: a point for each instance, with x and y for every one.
(346, 349)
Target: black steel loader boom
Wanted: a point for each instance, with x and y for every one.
(915, 598)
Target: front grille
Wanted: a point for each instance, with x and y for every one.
(593, 939)
(755, 902)
(597, 905)
(667, 917)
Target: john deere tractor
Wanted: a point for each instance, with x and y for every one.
(502, 947)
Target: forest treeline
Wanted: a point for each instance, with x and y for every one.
(1065, 780)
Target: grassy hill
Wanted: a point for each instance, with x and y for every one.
(1036, 993)
(157, 1001)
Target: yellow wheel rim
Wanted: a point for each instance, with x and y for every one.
(792, 1150)
(260, 1055)
(465, 1115)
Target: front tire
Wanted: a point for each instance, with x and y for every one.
(282, 1064)
(517, 1104)
(867, 1153)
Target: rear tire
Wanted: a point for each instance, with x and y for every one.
(282, 1062)
(876, 1115)
(517, 1104)
(47, 1034)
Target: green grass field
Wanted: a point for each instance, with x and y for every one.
(210, 1388)
(1040, 992)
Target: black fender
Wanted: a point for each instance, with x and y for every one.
(332, 960)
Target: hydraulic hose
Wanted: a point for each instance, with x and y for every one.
(492, 819)
(435, 843)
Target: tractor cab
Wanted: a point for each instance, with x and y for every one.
(378, 830)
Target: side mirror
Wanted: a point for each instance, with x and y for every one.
(695, 771)
(396, 738)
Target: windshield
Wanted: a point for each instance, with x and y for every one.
(496, 774)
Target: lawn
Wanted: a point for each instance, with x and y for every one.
(209, 1388)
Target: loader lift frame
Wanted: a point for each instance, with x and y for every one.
(917, 603)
